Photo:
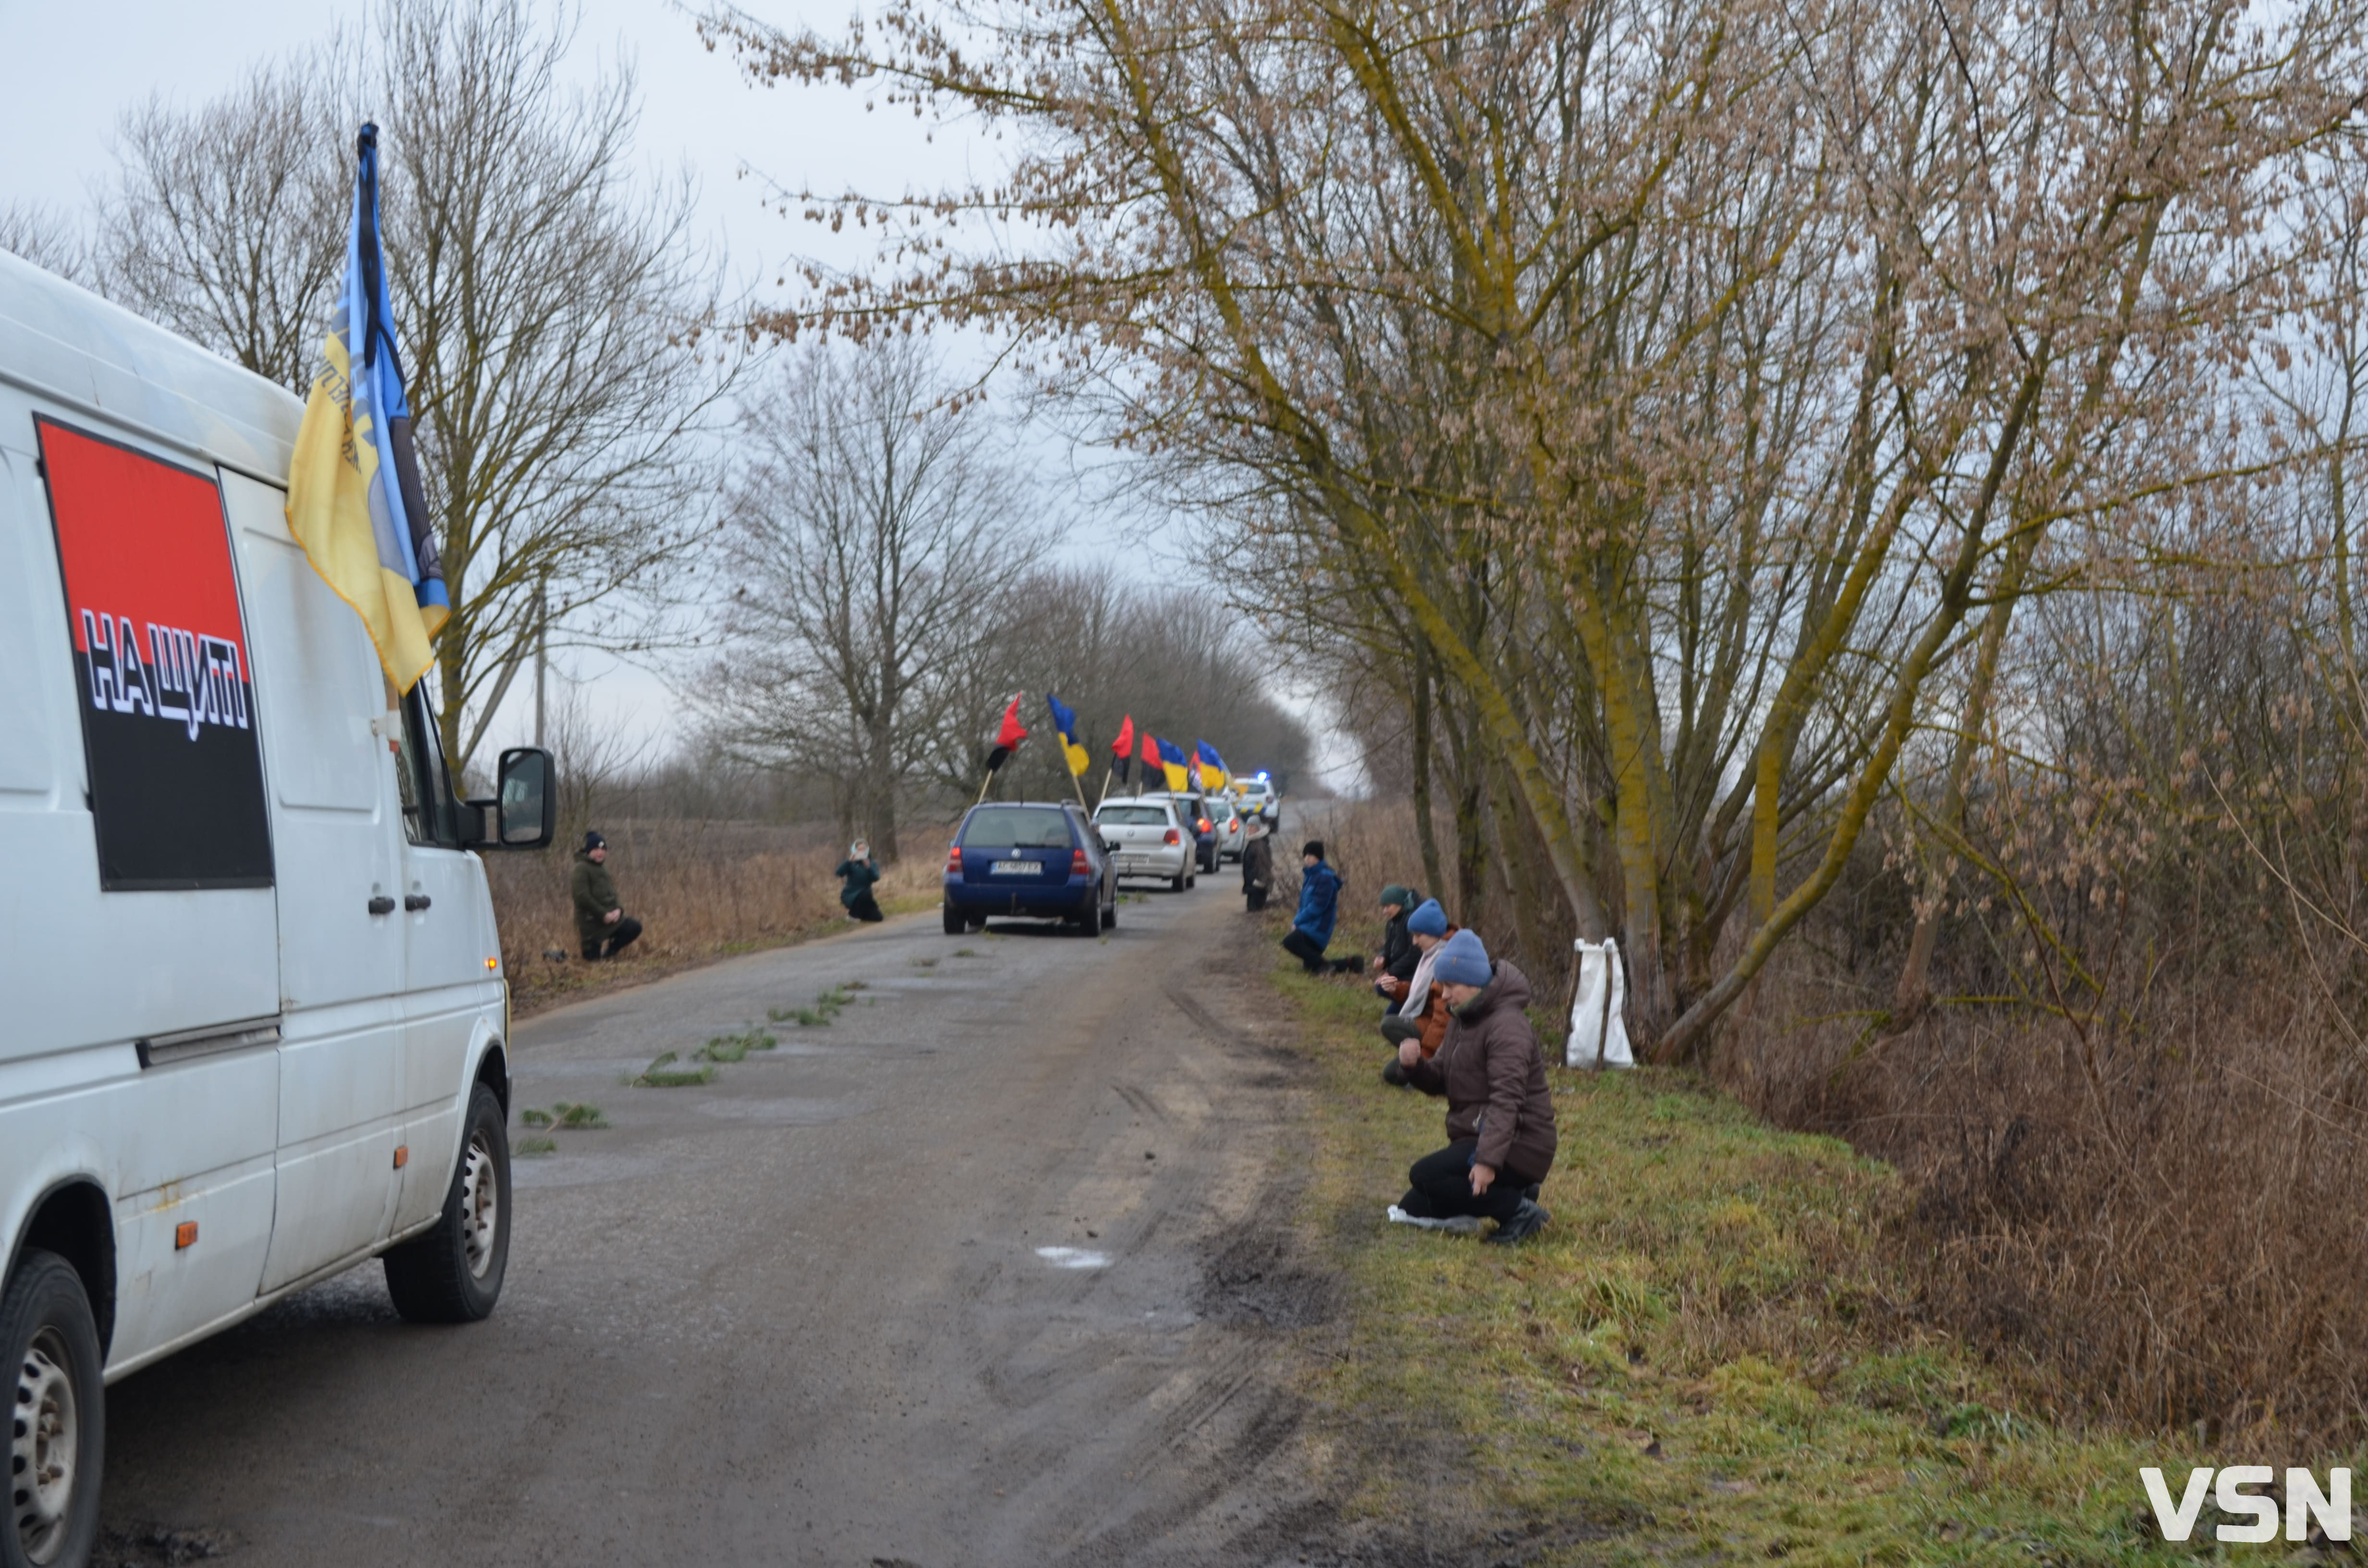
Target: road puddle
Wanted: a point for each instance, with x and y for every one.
(1073, 1258)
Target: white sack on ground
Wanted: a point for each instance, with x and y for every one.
(1461, 1224)
(1599, 1025)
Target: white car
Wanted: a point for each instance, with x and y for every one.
(1148, 836)
(1202, 817)
(257, 1027)
(1233, 828)
(1257, 797)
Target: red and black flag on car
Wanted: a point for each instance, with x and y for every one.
(1123, 748)
(1006, 741)
(161, 667)
(1008, 738)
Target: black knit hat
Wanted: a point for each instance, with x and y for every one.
(1313, 846)
(593, 841)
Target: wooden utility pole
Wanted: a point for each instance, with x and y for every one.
(541, 656)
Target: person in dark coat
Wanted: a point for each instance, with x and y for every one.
(1319, 906)
(1398, 955)
(1500, 1120)
(1418, 1008)
(858, 874)
(601, 924)
(1258, 865)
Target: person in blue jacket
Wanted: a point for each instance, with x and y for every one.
(1319, 904)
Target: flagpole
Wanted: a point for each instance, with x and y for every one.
(1104, 794)
(983, 788)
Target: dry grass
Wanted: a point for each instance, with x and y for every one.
(2148, 1221)
(2156, 1220)
(1713, 1354)
(702, 889)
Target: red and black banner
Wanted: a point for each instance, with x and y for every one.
(165, 690)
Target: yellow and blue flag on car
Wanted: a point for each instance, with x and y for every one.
(1171, 762)
(1213, 766)
(354, 498)
(1065, 719)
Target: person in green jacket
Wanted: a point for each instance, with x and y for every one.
(855, 875)
(601, 923)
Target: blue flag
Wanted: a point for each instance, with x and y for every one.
(1065, 719)
(354, 498)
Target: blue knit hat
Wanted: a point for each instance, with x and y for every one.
(1463, 961)
(1427, 919)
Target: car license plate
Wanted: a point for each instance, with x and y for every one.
(1016, 868)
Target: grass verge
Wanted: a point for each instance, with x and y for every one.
(1710, 1355)
(538, 986)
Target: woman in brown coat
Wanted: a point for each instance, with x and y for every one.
(1500, 1123)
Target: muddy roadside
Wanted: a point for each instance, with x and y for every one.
(1371, 1481)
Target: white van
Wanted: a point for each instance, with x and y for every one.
(252, 1009)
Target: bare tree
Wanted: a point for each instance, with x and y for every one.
(557, 315)
(1691, 386)
(45, 239)
(227, 223)
(567, 369)
(867, 546)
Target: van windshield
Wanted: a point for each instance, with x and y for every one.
(1019, 827)
(1133, 816)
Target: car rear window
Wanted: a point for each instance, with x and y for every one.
(1133, 816)
(1019, 827)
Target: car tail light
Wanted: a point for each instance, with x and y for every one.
(1077, 867)
(953, 862)
(1205, 826)
(1172, 836)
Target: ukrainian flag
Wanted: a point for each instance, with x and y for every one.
(1065, 719)
(1171, 762)
(354, 498)
(1213, 766)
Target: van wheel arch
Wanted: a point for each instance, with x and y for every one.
(493, 1072)
(75, 1220)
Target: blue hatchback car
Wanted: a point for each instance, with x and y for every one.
(1038, 861)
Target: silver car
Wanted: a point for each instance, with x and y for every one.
(1233, 828)
(1149, 837)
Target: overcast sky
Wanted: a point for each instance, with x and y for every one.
(69, 70)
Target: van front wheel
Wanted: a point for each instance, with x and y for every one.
(58, 1437)
(453, 1272)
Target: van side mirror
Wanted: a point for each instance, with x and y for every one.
(524, 812)
(528, 800)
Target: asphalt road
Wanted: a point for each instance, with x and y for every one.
(989, 1270)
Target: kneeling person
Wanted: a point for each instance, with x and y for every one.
(1420, 1013)
(1319, 904)
(601, 923)
(858, 874)
(1500, 1122)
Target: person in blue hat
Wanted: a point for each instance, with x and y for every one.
(1418, 1010)
(1500, 1120)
